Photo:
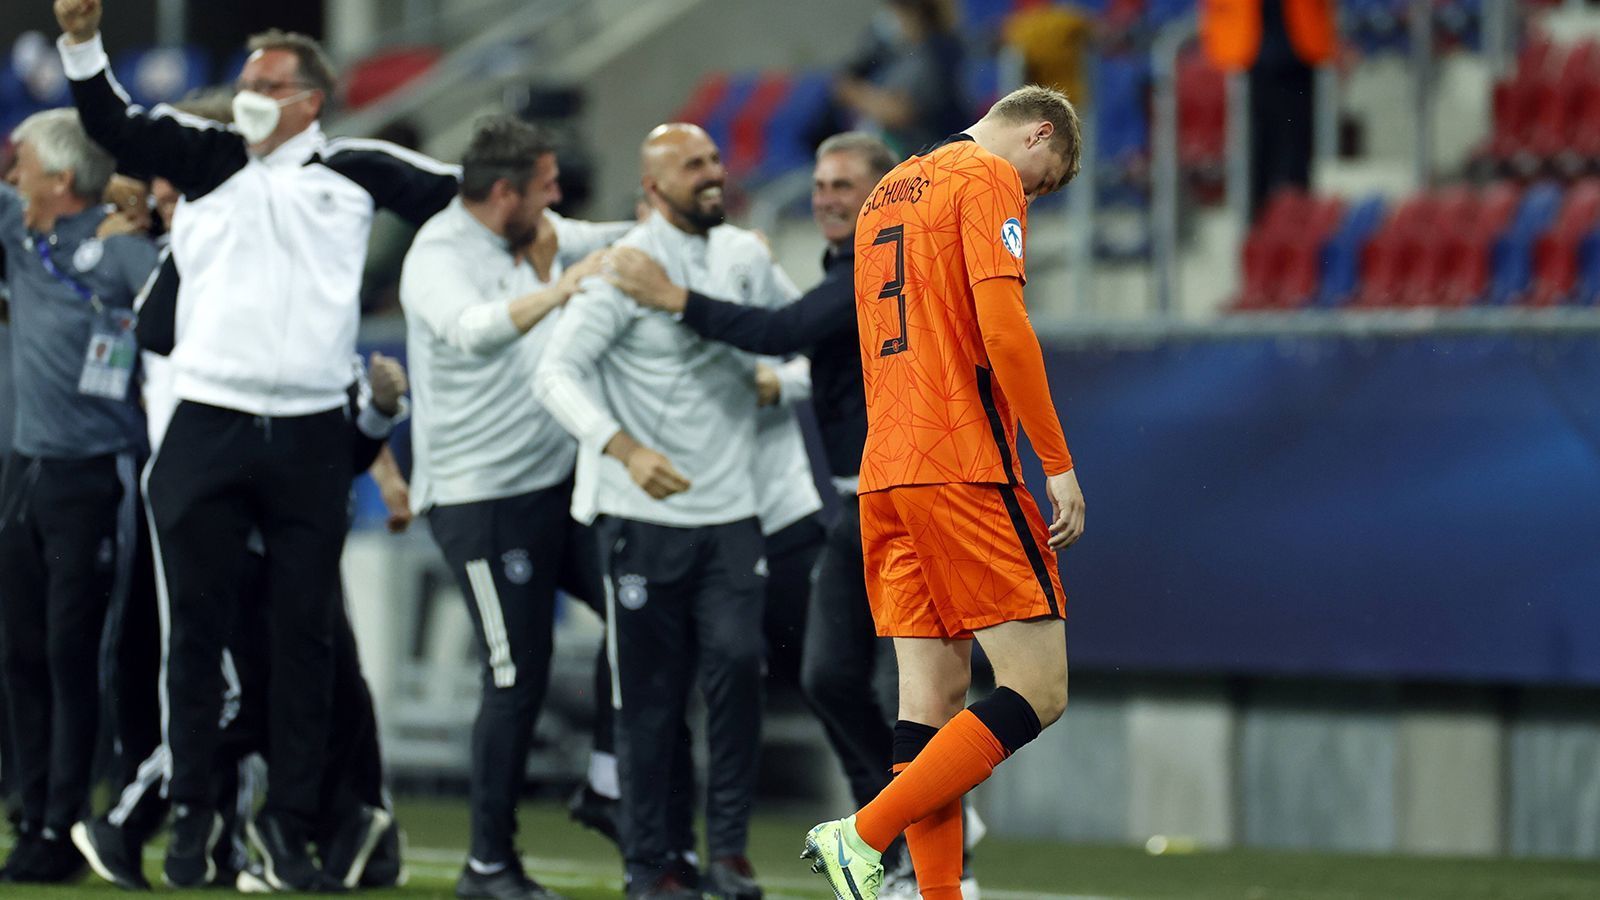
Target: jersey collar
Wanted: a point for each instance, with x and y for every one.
(952, 139)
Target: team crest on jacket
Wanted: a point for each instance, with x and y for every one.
(519, 569)
(631, 592)
(1011, 236)
(88, 254)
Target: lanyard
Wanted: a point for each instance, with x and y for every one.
(42, 247)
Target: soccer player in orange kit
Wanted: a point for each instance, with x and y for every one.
(955, 548)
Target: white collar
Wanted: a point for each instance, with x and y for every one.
(298, 149)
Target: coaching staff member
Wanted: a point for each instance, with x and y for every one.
(276, 225)
(666, 425)
(843, 659)
(69, 498)
(493, 470)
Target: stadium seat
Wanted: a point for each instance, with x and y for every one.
(1385, 258)
(1264, 254)
(1472, 253)
(1587, 290)
(1300, 276)
(748, 131)
(1202, 122)
(377, 76)
(1122, 128)
(1512, 253)
(1555, 253)
(1341, 254)
(705, 98)
(788, 139)
(718, 122)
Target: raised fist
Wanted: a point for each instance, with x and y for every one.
(79, 19)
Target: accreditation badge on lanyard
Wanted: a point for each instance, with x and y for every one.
(113, 349)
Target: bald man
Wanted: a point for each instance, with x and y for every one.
(668, 440)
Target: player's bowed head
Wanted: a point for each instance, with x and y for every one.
(1036, 129)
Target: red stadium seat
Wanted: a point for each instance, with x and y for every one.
(1387, 261)
(1263, 255)
(707, 96)
(1473, 264)
(1202, 121)
(747, 147)
(1555, 254)
(1300, 273)
(376, 77)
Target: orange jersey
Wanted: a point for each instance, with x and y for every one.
(935, 226)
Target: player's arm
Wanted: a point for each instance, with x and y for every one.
(194, 154)
(436, 287)
(1018, 365)
(565, 384)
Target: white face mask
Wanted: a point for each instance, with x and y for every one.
(256, 115)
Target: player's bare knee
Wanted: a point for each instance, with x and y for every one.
(932, 707)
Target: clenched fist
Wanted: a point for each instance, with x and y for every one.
(79, 19)
(388, 379)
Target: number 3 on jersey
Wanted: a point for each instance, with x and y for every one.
(895, 234)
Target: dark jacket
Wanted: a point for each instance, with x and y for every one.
(822, 325)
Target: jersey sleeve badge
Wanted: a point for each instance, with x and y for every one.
(1011, 236)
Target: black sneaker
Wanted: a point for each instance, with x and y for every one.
(57, 862)
(195, 832)
(346, 854)
(111, 854)
(593, 811)
(509, 883)
(731, 878)
(24, 856)
(285, 859)
(668, 887)
(386, 867)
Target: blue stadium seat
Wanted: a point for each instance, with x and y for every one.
(1588, 288)
(1512, 257)
(788, 146)
(719, 124)
(1160, 13)
(980, 80)
(162, 74)
(1341, 256)
(983, 15)
(1122, 129)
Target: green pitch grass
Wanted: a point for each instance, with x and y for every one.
(584, 867)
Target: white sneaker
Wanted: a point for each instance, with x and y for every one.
(252, 881)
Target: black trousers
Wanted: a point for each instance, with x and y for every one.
(842, 655)
(218, 474)
(1282, 104)
(67, 542)
(509, 556)
(353, 775)
(791, 558)
(685, 602)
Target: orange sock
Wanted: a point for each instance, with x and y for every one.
(935, 843)
(958, 759)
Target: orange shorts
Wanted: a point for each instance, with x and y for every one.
(944, 560)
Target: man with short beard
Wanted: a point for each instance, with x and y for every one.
(482, 288)
(667, 433)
